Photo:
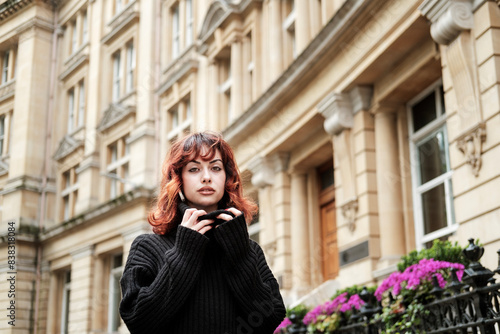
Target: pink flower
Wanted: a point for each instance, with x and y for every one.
(415, 275)
(284, 324)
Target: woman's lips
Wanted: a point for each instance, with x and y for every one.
(206, 191)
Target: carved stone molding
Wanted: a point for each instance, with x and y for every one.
(263, 173)
(471, 144)
(448, 18)
(115, 113)
(337, 110)
(349, 211)
(66, 146)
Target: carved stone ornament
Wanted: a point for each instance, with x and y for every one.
(448, 17)
(67, 145)
(337, 110)
(115, 113)
(349, 211)
(470, 144)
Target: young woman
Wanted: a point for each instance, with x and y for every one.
(199, 272)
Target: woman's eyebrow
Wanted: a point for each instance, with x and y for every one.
(215, 160)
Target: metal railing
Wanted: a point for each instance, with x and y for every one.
(470, 306)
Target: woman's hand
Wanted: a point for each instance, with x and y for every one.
(225, 217)
(190, 220)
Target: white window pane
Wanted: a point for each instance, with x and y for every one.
(81, 104)
(432, 157)
(85, 35)
(189, 22)
(2, 133)
(175, 32)
(130, 67)
(71, 110)
(73, 37)
(116, 76)
(434, 209)
(5, 67)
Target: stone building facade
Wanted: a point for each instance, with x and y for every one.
(364, 129)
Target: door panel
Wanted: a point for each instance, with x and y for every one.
(329, 249)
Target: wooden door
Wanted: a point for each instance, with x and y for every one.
(329, 247)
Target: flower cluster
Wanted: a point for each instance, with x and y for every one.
(417, 274)
(284, 324)
(327, 308)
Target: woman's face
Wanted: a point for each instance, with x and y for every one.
(203, 182)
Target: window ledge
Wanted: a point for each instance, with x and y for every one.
(7, 89)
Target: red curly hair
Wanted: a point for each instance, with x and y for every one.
(164, 216)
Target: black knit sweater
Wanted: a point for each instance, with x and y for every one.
(187, 282)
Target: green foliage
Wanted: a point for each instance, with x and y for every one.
(353, 290)
(397, 319)
(327, 324)
(440, 251)
(299, 310)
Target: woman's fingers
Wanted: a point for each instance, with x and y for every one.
(190, 220)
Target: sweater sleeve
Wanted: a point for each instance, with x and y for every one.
(249, 276)
(155, 282)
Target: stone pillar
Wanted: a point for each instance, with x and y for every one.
(390, 206)
(338, 110)
(82, 277)
(302, 25)
(275, 55)
(263, 179)
(236, 79)
(89, 168)
(213, 119)
(300, 234)
(21, 194)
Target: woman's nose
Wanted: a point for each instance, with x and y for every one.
(205, 178)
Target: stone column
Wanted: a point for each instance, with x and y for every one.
(89, 168)
(300, 234)
(302, 25)
(338, 110)
(263, 179)
(390, 206)
(82, 277)
(275, 54)
(236, 79)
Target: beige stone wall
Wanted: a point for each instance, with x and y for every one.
(342, 96)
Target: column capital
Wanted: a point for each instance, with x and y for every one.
(83, 252)
(137, 230)
(385, 107)
(448, 18)
(263, 173)
(337, 110)
(280, 161)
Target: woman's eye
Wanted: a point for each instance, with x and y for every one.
(217, 168)
(192, 170)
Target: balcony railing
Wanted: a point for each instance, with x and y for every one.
(470, 306)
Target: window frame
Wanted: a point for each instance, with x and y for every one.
(65, 301)
(417, 138)
(115, 275)
(5, 67)
(130, 67)
(176, 31)
(189, 22)
(117, 76)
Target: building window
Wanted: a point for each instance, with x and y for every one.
(189, 22)
(5, 127)
(74, 35)
(76, 107)
(130, 67)
(5, 66)
(225, 84)
(2, 134)
(116, 76)
(119, 5)
(431, 172)
(71, 109)
(179, 119)
(65, 302)
(114, 293)
(81, 103)
(69, 193)
(85, 28)
(289, 28)
(117, 169)
(176, 33)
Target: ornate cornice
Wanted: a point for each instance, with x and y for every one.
(263, 173)
(448, 18)
(349, 211)
(10, 7)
